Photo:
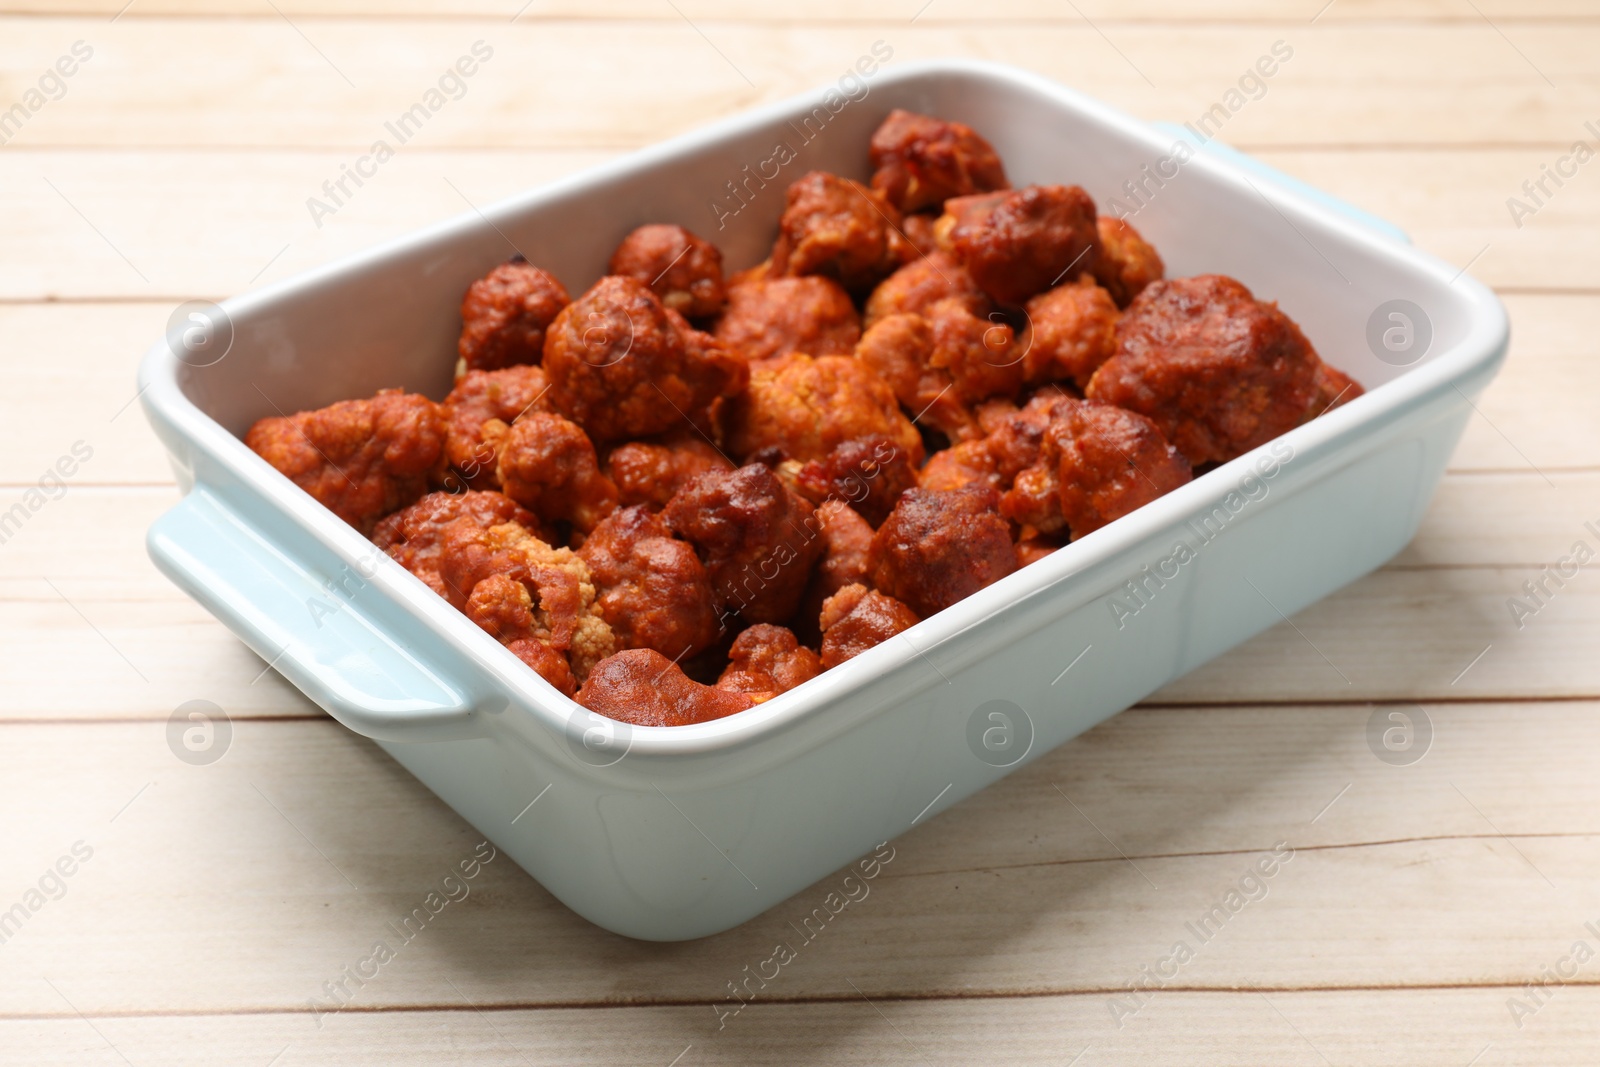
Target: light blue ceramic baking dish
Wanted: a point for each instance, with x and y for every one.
(676, 833)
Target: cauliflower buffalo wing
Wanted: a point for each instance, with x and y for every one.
(413, 535)
(771, 317)
(518, 588)
(1126, 263)
(938, 547)
(856, 618)
(685, 271)
(1020, 243)
(622, 365)
(549, 466)
(805, 407)
(922, 161)
(931, 381)
(868, 473)
(653, 590)
(839, 229)
(649, 472)
(767, 660)
(505, 314)
(642, 687)
(361, 459)
(477, 414)
(1218, 371)
(1097, 463)
(922, 283)
(757, 537)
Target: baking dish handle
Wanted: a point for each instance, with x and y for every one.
(308, 629)
(1278, 177)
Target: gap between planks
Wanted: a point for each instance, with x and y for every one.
(803, 999)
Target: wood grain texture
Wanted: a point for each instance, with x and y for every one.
(263, 80)
(99, 225)
(975, 902)
(877, 12)
(1419, 1028)
(217, 901)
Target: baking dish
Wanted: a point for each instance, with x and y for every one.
(668, 834)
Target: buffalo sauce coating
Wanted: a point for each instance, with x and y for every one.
(767, 660)
(1218, 371)
(361, 459)
(413, 535)
(938, 547)
(644, 688)
(623, 365)
(1096, 464)
(839, 229)
(653, 590)
(921, 161)
(857, 618)
(649, 472)
(770, 317)
(685, 271)
(1020, 243)
(478, 412)
(757, 536)
(505, 314)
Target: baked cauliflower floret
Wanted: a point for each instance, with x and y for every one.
(857, 618)
(685, 271)
(766, 660)
(922, 161)
(505, 314)
(1218, 371)
(556, 604)
(653, 589)
(622, 365)
(413, 535)
(1020, 243)
(940, 547)
(479, 411)
(1097, 463)
(361, 459)
(922, 283)
(1070, 331)
(1126, 263)
(757, 537)
(805, 407)
(867, 473)
(649, 472)
(840, 229)
(642, 687)
(549, 466)
(768, 317)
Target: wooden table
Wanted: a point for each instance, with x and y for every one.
(208, 905)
